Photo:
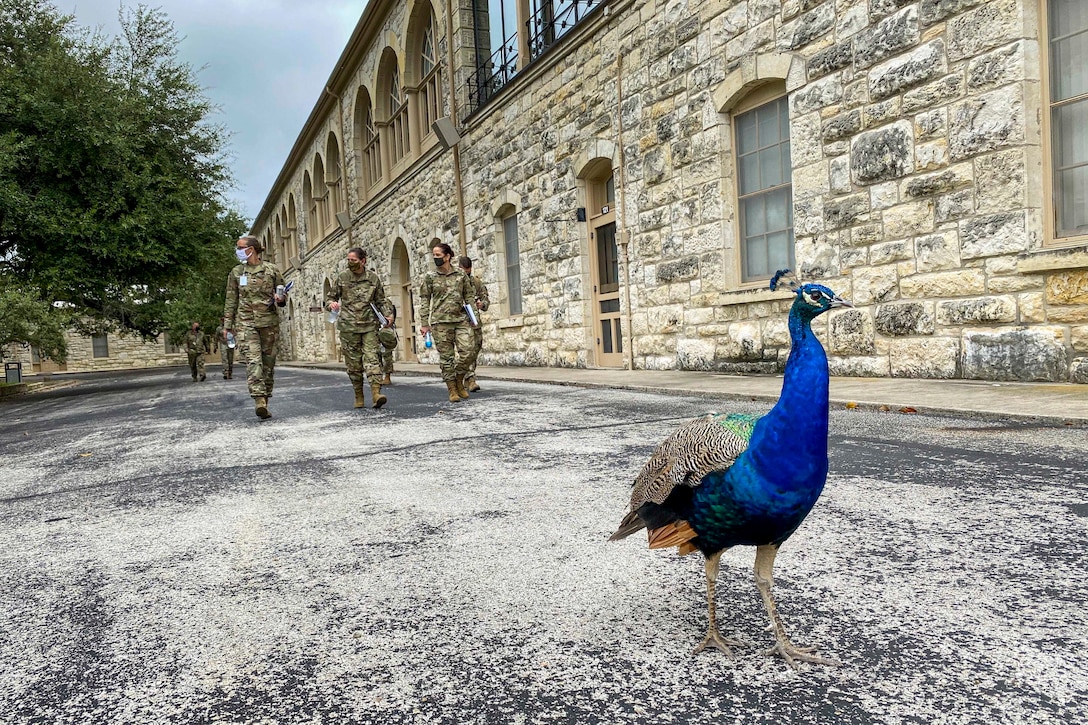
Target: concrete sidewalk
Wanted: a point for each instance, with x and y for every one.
(1050, 402)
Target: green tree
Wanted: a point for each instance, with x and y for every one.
(112, 173)
(26, 320)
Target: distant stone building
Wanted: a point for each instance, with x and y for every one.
(632, 173)
(107, 351)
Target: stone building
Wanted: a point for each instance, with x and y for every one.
(107, 351)
(629, 174)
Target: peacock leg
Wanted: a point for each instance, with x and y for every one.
(788, 651)
(713, 636)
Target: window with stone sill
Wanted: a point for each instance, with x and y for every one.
(1066, 65)
(512, 255)
(100, 346)
(764, 189)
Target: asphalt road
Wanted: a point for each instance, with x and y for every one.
(166, 557)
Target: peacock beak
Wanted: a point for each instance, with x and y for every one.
(837, 301)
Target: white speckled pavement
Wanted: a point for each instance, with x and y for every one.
(165, 557)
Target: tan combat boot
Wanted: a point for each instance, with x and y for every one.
(386, 380)
(376, 395)
(452, 387)
(471, 384)
(359, 402)
(261, 407)
(461, 392)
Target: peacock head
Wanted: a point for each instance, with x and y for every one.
(812, 299)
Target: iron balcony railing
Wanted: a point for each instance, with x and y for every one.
(550, 21)
(493, 74)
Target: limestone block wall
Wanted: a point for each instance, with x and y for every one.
(917, 179)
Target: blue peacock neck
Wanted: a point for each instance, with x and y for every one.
(798, 422)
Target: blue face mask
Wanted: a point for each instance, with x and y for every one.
(241, 255)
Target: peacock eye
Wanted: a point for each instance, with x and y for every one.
(817, 295)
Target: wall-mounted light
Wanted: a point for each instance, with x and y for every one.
(446, 132)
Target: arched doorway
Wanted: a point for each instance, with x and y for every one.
(400, 293)
(332, 345)
(604, 263)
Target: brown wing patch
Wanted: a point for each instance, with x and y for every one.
(675, 534)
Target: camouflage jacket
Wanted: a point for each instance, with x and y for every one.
(442, 297)
(355, 292)
(251, 304)
(482, 300)
(195, 342)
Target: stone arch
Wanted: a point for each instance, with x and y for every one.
(595, 151)
(504, 202)
(757, 71)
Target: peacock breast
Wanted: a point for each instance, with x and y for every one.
(740, 507)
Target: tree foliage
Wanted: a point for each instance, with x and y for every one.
(112, 174)
(25, 319)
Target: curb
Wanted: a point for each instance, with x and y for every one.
(871, 405)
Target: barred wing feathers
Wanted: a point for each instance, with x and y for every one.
(706, 444)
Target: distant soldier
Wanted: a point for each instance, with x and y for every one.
(357, 297)
(443, 297)
(385, 354)
(481, 305)
(254, 291)
(196, 345)
(226, 349)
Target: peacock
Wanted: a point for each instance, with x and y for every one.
(740, 480)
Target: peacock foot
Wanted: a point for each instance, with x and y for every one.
(714, 638)
(794, 654)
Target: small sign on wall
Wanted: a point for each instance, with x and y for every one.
(317, 309)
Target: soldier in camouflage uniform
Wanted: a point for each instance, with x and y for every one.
(443, 296)
(385, 355)
(356, 289)
(481, 305)
(253, 295)
(226, 352)
(196, 345)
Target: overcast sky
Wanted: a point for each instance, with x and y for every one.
(264, 64)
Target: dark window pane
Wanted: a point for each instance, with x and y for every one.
(100, 346)
(606, 336)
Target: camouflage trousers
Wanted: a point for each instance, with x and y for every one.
(360, 351)
(386, 359)
(257, 346)
(478, 343)
(196, 364)
(456, 349)
(226, 356)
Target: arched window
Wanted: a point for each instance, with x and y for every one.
(368, 152)
(393, 118)
(279, 252)
(292, 228)
(310, 206)
(319, 211)
(430, 97)
(398, 118)
(333, 178)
